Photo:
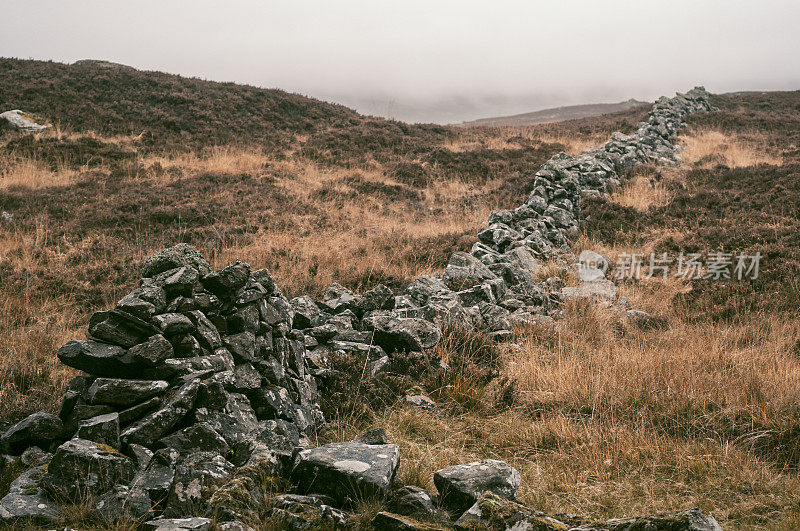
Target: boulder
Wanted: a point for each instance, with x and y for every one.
(464, 271)
(25, 500)
(460, 486)
(386, 521)
(155, 425)
(181, 255)
(102, 429)
(124, 393)
(306, 313)
(227, 281)
(402, 333)
(123, 503)
(293, 511)
(39, 429)
(196, 478)
(98, 358)
(495, 512)
(348, 470)
(411, 501)
(80, 468)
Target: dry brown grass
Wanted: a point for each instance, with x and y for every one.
(33, 173)
(707, 148)
(477, 138)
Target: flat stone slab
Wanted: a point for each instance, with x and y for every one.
(347, 470)
(25, 500)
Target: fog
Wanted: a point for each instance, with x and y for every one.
(435, 60)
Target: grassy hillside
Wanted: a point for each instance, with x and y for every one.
(602, 418)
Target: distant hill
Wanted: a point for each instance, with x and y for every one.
(111, 99)
(558, 114)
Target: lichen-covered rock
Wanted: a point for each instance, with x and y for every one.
(460, 486)
(347, 470)
(123, 503)
(402, 333)
(411, 501)
(102, 429)
(195, 523)
(39, 429)
(181, 255)
(493, 512)
(155, 425)
(25, 500)
(24, 121)
(689, 520)
(124, 393)
(394, 522)
(293, 511)
(197, 476)
(80, 468)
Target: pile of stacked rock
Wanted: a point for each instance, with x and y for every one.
(200, 384)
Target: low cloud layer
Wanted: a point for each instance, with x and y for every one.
(444, 61)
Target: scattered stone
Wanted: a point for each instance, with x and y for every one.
(460, 486)
(351, 470)
(411, 501)
(195, 523)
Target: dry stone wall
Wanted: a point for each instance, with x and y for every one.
(199, 381)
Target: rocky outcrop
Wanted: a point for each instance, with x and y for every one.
(200, 382)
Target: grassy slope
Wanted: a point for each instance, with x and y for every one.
(602, 418)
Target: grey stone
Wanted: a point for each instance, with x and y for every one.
(173, 323)
(38, 429)
(306, 313)
(200, 437)
(150, 353)
(227, 281)
(123, 503)
(495, 512)
(378, 298)
(194, 523)
(25, 500)
(97, 358)
(181, 255)
(22, 121)
(122, 392)
(386, 521)
(689, 520)
(101, 429)
(196, 477)
(157, 424)
(464, 271)
(120, 328)
(411, 501)
(460, 486)
(80, 468)
(347, 470)
(402, 333)
(242, 346)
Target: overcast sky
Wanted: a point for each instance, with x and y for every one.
(430, 60)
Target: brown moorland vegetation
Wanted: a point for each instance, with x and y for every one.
(602, 418)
